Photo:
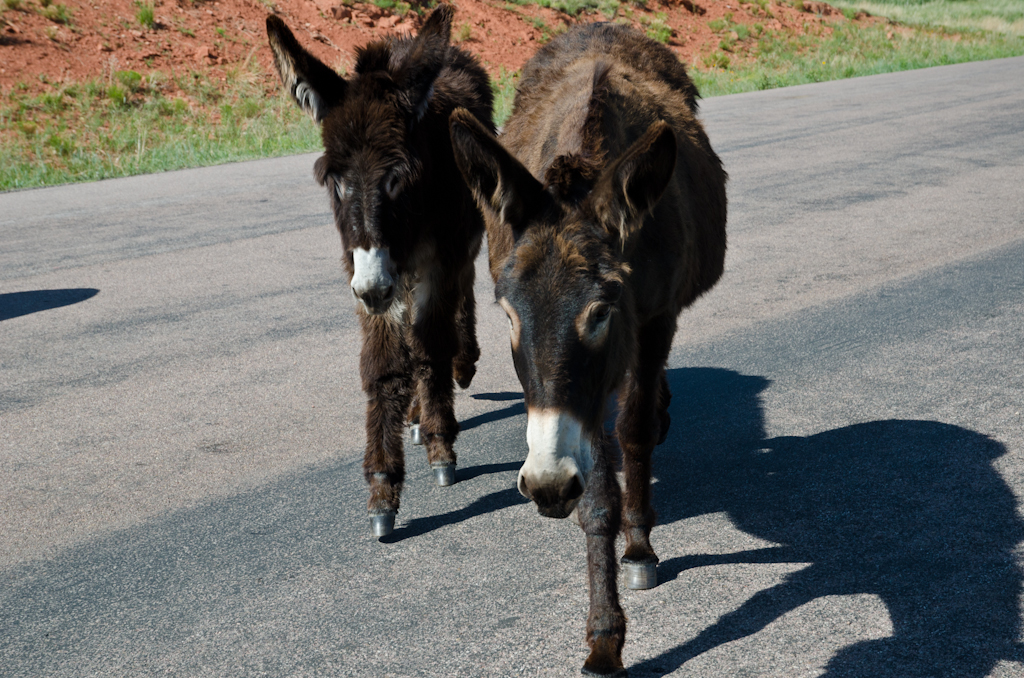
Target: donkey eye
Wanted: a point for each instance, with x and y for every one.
(592, 324)
(513, 322)
(342, 189)
(392, 186)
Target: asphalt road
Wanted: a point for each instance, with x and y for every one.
(181, 425)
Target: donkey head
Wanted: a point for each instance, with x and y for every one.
(565, 287)
(374, 152)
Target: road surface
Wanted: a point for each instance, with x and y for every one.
(181, 425)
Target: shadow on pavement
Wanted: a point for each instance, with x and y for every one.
(463, 474)
(500, 395)
(487, 504)
(910, 511)
(15, 304)
(488, 417)
(495, 501)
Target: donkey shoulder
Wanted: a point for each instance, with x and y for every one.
(608, 42)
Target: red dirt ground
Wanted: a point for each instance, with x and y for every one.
(103, 36)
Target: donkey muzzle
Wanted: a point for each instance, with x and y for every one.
(553, 499)
(373, 279)
(555, 473)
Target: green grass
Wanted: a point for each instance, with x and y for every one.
(504, 89)
(657, 27)
(124, 125)
(57, 13)
(998, 16)
(851, 51)
(145, 14)
(574, 7)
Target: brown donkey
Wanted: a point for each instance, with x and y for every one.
(605, 218)
(410, 229)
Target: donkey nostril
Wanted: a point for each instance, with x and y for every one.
(374, 299)
(572, 490)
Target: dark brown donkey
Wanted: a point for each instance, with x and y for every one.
(605, 218)
(410, 229)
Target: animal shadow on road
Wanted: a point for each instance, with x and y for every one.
(489, 503)
(910, 511)
(15, 304)
(503, 413)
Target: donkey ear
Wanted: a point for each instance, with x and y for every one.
(313, 86)
(439, 23)
(633, 184)
(503, 187)
(426, 58)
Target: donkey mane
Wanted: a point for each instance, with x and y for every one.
(375, 56)
(571, 177)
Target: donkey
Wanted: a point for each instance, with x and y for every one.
(410, 229)
(605, 218)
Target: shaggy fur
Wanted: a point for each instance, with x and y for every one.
(605, 218)
(393, 184)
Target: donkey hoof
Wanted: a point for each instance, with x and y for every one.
(464, 375)
(639, 575)
(444, 475)
(414, 433)
(605, 658)
(382, 524)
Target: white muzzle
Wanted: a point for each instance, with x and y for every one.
(559, 463)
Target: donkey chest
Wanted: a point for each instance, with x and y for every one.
(420, 283)
(659, 278)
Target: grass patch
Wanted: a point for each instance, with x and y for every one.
(57, 13)
(124, 124)
(574, 7)
(504, 89)
(998, 16)
(657, 27)
(782, 60)
(546, 31)
(145, 14)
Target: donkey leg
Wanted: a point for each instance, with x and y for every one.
(434, 342)
(599, 511)
(464, 367)
(665, 397)
(640, 427)
(387, 381)
(414, 420)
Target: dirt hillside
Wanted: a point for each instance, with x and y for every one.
(48, 42)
